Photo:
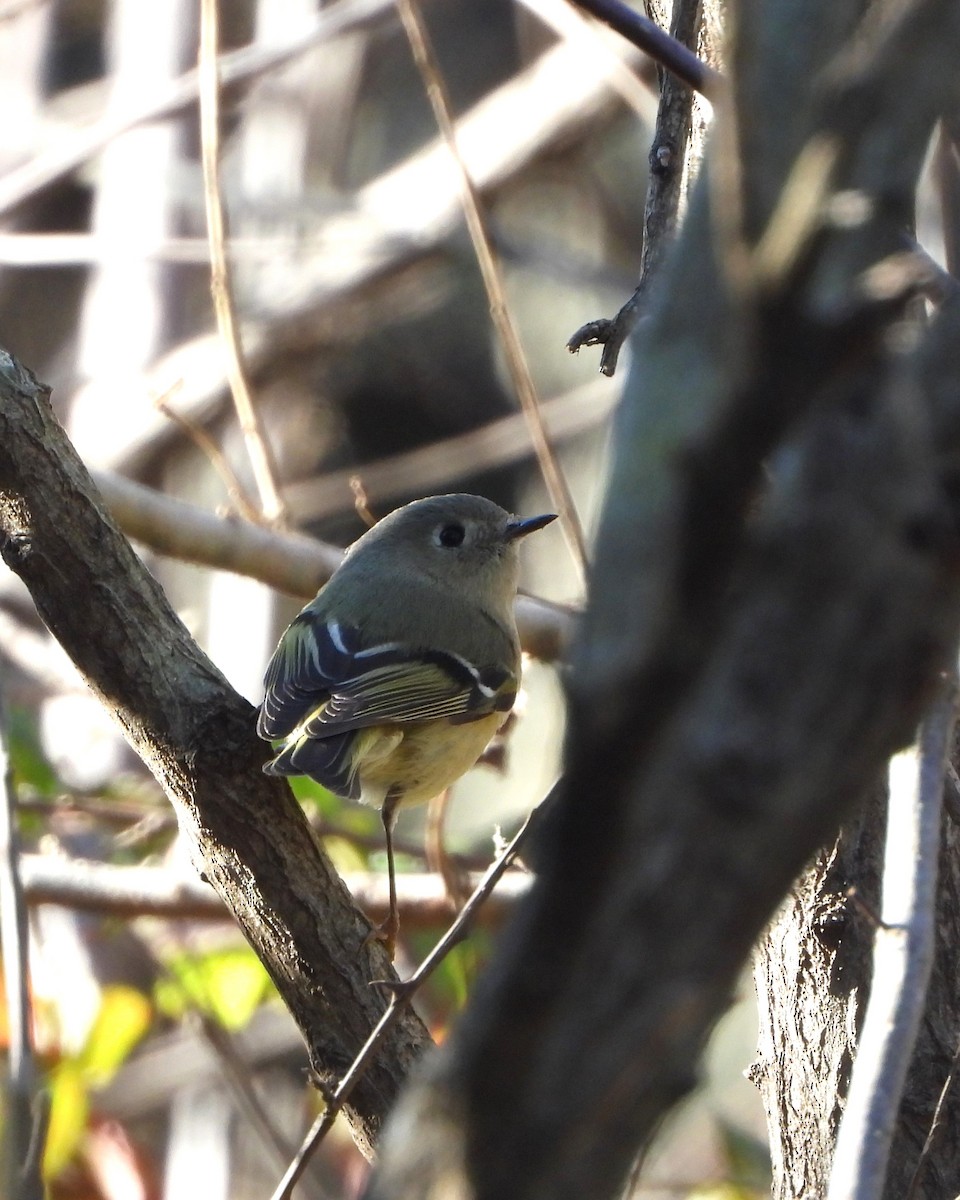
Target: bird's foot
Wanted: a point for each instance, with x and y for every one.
(386, 934)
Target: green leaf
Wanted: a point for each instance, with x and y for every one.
(723, 1189)
(227, 984)
(30, 767)
(314, 795)
(237, 984)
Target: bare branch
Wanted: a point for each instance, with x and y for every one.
(291, 562)
(156, 891)
(245, 507)
(664, 48)
(400, 996)
(671, 174)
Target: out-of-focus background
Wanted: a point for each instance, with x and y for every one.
(173, 1070)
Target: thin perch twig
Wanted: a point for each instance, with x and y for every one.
(399, 998)
(218, 460)
(557, 487)
(936, 1124)
(902, 958)
(254, 432)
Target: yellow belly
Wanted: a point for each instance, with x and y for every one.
(420, 759)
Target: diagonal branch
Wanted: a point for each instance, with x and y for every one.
(667, 50)
(197, 736)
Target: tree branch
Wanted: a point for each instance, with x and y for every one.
(664, 48)
(671, 174)
(290, 562)
(198, 738)
(98, 887)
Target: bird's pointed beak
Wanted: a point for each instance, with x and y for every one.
(522, 526)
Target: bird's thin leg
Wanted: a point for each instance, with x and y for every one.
(389, 929)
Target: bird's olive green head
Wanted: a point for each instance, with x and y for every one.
(459, 541)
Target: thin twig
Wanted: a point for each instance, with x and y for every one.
(438, 859)
(667, 51)
(361, 502)
(557, 487)
(22, 1157)
(254, 433)
(218, 460)
(902, 960)
(399, 998)
(665, 189)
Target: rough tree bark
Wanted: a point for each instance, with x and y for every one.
(754, 648)
(812, 973)
(246, 831)
(813, 970)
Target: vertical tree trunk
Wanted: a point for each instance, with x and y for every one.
(813, 979)
(812, 970)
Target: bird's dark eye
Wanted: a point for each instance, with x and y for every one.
(452, 535)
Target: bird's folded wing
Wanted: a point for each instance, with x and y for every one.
(320, 683)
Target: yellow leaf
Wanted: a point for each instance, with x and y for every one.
(123, 1019)
(69, 1108)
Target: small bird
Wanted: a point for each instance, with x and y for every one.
(388, 686)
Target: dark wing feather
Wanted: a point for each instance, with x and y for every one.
(321, 687)
(390, 686)
(313, 656)
(328, 760)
